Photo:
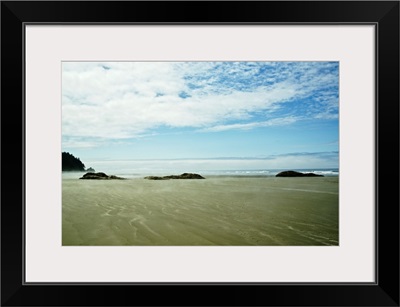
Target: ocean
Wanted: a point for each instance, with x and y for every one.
(204, 167)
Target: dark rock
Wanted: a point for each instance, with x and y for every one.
(155, 178)
(182, 176)
(90, 170)
(297, 174)
(186, 176)
(99, 176)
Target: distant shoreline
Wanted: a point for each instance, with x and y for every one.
(73, 174)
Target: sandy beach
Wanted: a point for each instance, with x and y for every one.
(230, 211)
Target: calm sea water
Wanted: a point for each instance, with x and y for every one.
(140, 168)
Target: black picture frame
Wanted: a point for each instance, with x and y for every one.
(383, 14)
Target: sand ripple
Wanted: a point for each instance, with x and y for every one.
(215, 211)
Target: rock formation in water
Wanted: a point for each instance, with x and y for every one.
(297, 174)
(90, 170)
(156, 178)
(182, 176)
(99, 176)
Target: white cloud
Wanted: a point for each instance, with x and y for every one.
(247, 126)
(126, 99)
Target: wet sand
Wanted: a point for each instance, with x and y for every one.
(233, 211)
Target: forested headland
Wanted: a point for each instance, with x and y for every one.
(71, 163)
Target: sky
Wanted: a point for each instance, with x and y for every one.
(273, 112)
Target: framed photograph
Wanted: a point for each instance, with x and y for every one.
(246, 148)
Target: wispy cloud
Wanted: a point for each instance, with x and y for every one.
(118, 100)
(252, 125)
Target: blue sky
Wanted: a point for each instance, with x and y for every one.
(271, 111)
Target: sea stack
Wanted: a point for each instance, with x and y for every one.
(99, 176)
(297, 174)
(182, 176)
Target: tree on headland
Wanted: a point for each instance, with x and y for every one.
(71, 163)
